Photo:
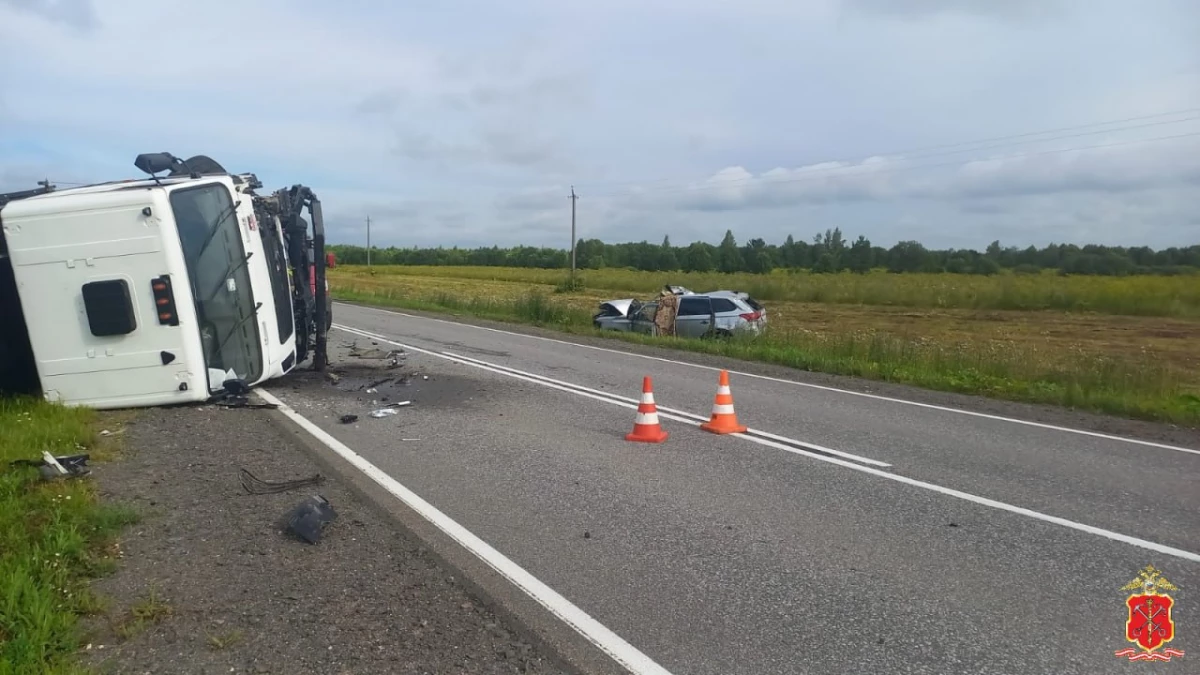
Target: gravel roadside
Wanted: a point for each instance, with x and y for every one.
(209, 583)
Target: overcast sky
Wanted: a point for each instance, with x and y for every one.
(466, 122)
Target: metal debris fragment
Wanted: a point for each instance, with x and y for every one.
(52, 467)
(256, 486)
(308, 519)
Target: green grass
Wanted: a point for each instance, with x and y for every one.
(1134, 386)
(146, 612)
(1177, 296)
(53, 539)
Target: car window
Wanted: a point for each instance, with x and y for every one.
(648, 312)
(721, 305)
(753, 303)
(691, 306)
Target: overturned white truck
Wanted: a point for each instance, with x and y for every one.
(161, 290)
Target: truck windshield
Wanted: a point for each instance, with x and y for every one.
(220, 282)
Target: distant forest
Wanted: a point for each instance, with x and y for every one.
(827, 252)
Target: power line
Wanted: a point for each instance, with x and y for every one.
(914, 151)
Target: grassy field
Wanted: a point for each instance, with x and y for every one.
(1177, 296)
(1138, 366)
(54, 536)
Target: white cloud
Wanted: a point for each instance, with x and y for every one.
(467, 124)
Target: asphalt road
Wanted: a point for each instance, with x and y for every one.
(949, 543)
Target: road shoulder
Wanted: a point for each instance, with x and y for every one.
(209, 582)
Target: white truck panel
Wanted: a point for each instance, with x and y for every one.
(60, 242)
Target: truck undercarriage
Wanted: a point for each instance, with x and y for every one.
(18, 373)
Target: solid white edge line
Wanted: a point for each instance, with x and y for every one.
(609, 642)
(878, 397)
(950, 492)
(683, 413)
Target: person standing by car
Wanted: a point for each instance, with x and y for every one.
(668, 307)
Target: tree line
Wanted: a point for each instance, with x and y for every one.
(828, 251)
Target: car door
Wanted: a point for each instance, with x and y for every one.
(695, 316)
(643, 320)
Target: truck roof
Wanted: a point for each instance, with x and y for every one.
(41, 202)
(110, 186)
(127, 184)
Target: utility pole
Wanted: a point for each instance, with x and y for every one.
(368, 241)
(574, 198)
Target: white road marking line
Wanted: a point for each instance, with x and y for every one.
(951, 492)
(612, 644)
(603, 397)
(930, 406)
(682, 413)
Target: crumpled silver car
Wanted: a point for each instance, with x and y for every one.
(717, 313)
(614, 314)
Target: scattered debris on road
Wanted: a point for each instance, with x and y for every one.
(377, 354)
(371, 388)
(348, 419)
(383, 412)
(246, 592)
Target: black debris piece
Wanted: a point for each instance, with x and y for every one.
(76, 465)
(236, 387)
(307, 520)
(235, 393)
(348, 419)
(242, 402)
(375, 385)
(256, 486)
(52, 467)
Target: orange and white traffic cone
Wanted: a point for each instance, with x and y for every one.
(646, 428)
(724, 419)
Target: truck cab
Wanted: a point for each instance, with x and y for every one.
(263, 239)
(143, 292)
